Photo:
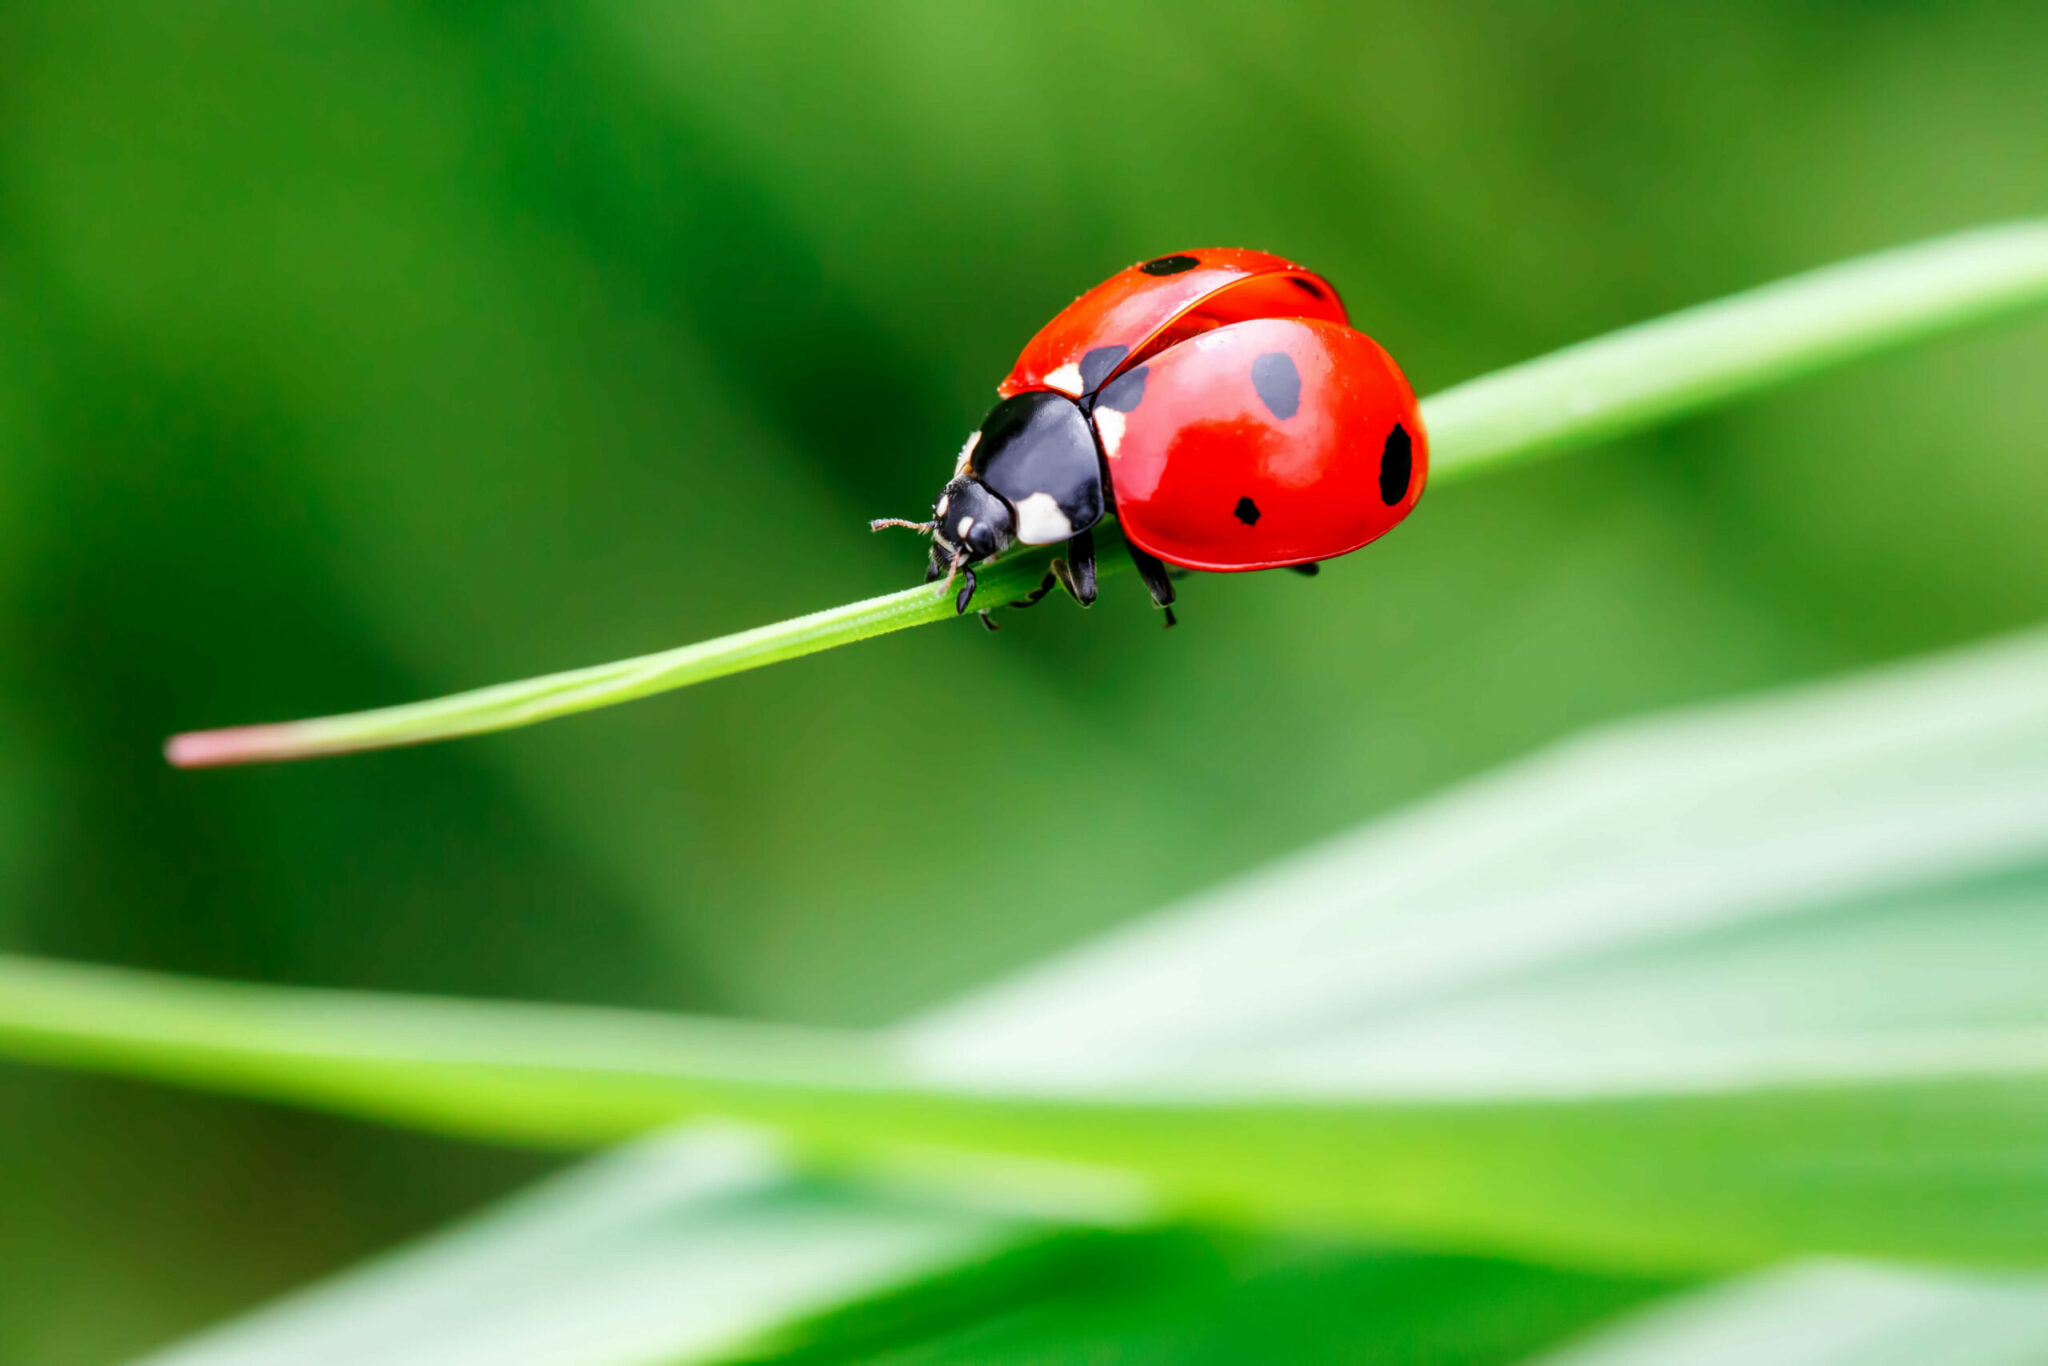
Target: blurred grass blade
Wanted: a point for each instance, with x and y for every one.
(1664, 1172)
(1705, 355)
(1598, 389)
(1595, 1006)
(1833, 1314)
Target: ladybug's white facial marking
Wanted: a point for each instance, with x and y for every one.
(1040, 520)
(1109, 425)
(962, 527)
(945, 499)
(966, 454)
(1066, 379)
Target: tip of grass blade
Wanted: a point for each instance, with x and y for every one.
(243, 745)
(503, 706)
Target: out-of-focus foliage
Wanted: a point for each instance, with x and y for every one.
(349, 354)
(1691, 992)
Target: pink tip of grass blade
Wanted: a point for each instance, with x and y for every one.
(245, 745)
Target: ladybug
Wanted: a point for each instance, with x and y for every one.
(1218, 401)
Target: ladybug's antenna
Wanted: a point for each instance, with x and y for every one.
(880, 522)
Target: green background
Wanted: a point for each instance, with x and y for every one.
(350, 354)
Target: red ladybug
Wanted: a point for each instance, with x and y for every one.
(1220, 399)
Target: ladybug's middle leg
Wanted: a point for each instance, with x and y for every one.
(1075, 573)
(1045, 585)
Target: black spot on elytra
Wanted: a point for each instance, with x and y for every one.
(1169, 265)
(1125, 392)
(1246, 511)
(1096, 365)
(1397, 465)
(1307, 287)
(1278, 383)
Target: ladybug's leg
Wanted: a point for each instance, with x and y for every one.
(1153, 572)
(1077, 572)
(966, 595)
(1309, 570)
(1045, 585)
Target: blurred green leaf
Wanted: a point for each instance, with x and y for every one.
(1603, 388)
(1199, 1296)
(704, 1245)
(1666, 996)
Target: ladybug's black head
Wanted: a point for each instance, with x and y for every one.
(970, 523)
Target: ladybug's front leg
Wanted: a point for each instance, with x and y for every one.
(1077, 571)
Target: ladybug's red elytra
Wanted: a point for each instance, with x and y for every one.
(1219, 400)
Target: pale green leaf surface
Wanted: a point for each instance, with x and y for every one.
(1833, 1314)
(1746, 813)
(1595, 390)
(684, 1246)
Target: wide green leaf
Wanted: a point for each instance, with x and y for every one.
(703, 1245)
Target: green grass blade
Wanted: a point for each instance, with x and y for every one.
(505, 706)
(1702, 356)
(1500, 1021)
(1599, 389)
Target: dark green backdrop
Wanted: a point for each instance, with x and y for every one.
(351, 353)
